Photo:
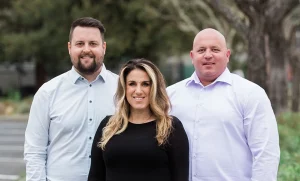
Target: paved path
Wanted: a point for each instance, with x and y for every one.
(11, 148)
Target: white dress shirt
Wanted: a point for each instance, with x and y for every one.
(231, 127)
(64, 116)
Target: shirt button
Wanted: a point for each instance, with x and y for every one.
(194, 155)
(90, 85)
(90, 138)
(82, 78)
(90, 101)
(90, 119)
(195, 137)
(90, 156)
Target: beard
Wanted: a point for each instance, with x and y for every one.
(90, 69)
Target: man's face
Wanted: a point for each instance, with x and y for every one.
(209, 55)
(87, 50)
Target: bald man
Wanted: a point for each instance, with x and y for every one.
(229, 120)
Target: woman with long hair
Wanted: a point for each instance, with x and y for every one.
(141, 141)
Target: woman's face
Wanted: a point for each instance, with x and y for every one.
(138, 85)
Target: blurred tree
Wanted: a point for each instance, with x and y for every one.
(139, 29)
(4, 11)
(35, 31)
(292, 33)
(38, 30)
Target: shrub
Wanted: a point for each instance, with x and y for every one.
(289, 136)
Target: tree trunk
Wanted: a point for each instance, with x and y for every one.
(295, 65)
(40, 74)
(256, 63)
(278, 75)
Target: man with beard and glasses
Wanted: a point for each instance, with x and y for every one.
(67, 110)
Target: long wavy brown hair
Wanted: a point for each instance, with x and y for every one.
(159, 103)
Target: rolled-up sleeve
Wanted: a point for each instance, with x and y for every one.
(36, 138)
(262, 135)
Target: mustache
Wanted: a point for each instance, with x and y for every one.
(90, 54)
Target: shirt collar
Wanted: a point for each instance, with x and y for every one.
(74, 75)
(224, 77)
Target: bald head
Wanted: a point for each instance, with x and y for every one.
(209, 55)
(210, 33)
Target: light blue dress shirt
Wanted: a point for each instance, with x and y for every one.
(231, 127)
(64, 116)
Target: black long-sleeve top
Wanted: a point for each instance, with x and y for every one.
(134, 155)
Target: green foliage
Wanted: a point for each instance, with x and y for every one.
(38, 30)
(288, 127)
(23, 106)
(13, 104)
(14, 95)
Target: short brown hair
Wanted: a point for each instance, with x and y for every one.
(87, 22)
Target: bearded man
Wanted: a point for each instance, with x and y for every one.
(66, 111)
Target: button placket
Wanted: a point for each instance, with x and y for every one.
(197, 121)
(90, 116)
